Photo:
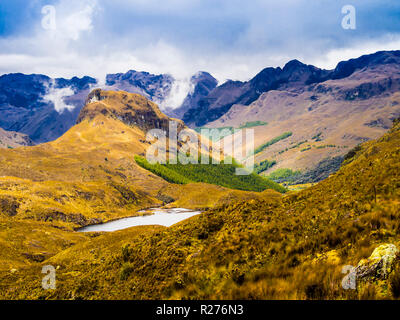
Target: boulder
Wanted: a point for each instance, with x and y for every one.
(379, 265)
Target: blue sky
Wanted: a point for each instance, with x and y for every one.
(229, 38)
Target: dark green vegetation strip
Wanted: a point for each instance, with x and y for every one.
(283, 174)
(322, 171)
(219, 174)
(273, 141)
(264, 165)
(252, 124)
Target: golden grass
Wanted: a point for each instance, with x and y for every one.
(248, 246)
(87, 176)
(272, 247)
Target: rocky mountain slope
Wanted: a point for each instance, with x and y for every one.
(294, 76)
(161, 89)
(153, 87)
(326, 119)
(270, 247)
(10, 139)
(202, 84)
(45, 108)
(29, 103)
(221, 99)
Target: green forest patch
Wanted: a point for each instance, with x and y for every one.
(223, 175)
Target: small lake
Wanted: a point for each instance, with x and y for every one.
(162, 217)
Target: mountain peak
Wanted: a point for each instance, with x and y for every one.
(202, 74)
(130, 108)
(346, 68)
(293, 64)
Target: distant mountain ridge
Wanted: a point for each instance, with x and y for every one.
(24, 107)
(326, 119)
(28, 103)
(294, 76)
(202, 84)
(158, 88)
(153, 87)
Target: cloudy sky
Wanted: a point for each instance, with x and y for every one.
(231, 39)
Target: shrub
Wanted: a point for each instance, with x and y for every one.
(252, 124)
(125, 271)
(349, 157)
(272, 141)
(263, 166)
(283, 173)
(315, 291)
(317, 137)
(126, 252)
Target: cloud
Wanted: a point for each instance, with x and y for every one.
(56, 96)
(179, 91)
(180, 37)
(77, 22)
(331, 58)
(73, 21)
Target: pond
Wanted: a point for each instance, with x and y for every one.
(163, 217)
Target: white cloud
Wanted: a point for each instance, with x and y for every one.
(179, 91)
(56, 96)
(72, 19)
(164, 58)
(91, 40)
(333, 57)
(76, 23)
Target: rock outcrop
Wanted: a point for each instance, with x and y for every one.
(379, 265)
(11, 139)
(130, 108)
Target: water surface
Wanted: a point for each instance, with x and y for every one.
(163, 217)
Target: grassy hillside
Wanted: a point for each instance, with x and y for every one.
(216, 134)
(274, 247)
(325, 123)
(87, 176)
(323, 170)
(226, 131)
(218, 174)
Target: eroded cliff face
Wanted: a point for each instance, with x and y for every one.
(131, 109)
